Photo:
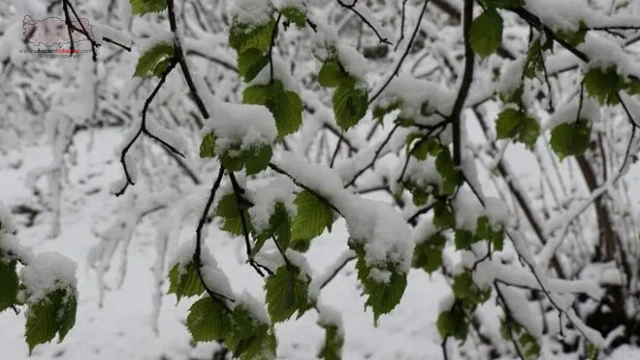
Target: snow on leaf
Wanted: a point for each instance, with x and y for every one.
(184, 281)
(152, 62)
(285, 106)
(53, 314)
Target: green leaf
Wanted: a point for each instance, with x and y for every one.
(570, 139)
(592, 352)
(382, 296)
(8, 283)
(428, 254)
(251, 62)
(250, 338)
(229, 211)
(140, 7)
(156, 57)
(279, 227)
(257, 159)
(486, 33)
(243, 36)
(574, 38)
(486, 232)
(604, 85)
(208, 146)
(429, 146)
(287, 293)
(453, 323)
(380, 111)
(208, 320)
(350, 104)
(513, 124)
(464, 239)
(55, 313)
(451, 177)
(312, 218)
(333, 342)
(331, 74)
(185, 281)
(285, 106)
(295, 15)
(443, 216)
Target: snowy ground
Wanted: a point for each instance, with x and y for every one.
(122, 328)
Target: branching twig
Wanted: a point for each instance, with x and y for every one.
(197, 258)
(353, 9)
(404, 55)
(375, 157)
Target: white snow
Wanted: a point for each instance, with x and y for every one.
(281, 189)
(49, 271)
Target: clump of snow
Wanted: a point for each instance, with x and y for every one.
(522, 311)
(251, 12)
(511, 76)
(497, 212)
(297, 4)
(467, 209)
(413, 94)
(353, 62)
(561, 15)
(604, 53)
(280, 72)
(6, 225)
(13, 250)
(568, 113)
(249, 125)
(156, 38)
(212, 275)
(323, 42)
(49, 271)
(253, 306)
(330, 316)
(282, 190)
(423, 231)
(422, 173)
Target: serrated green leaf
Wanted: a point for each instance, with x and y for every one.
(313, 217)
(295, 15)
(430, 146)
(285, 105)
(592, 352)
(570, 139)
(604, 84)
(513, 124)
(279, 227)
(333, 342)
(157, 56)
(251, 62)
(243, 36)
(464, 239)
(185, 281)
(350, 104)
(486, 33)
(250, 338)
(228, 210)
(208, 146)
(428, 254)
(453, 323)
(286, 293)
(208, 320)
(451, 177)
(257, 159)
(382, 296)
(140, 7)
(9, 283)
(443, 216)
(331, 74)
(55, 313)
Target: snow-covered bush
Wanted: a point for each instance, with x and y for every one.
(376, 113)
